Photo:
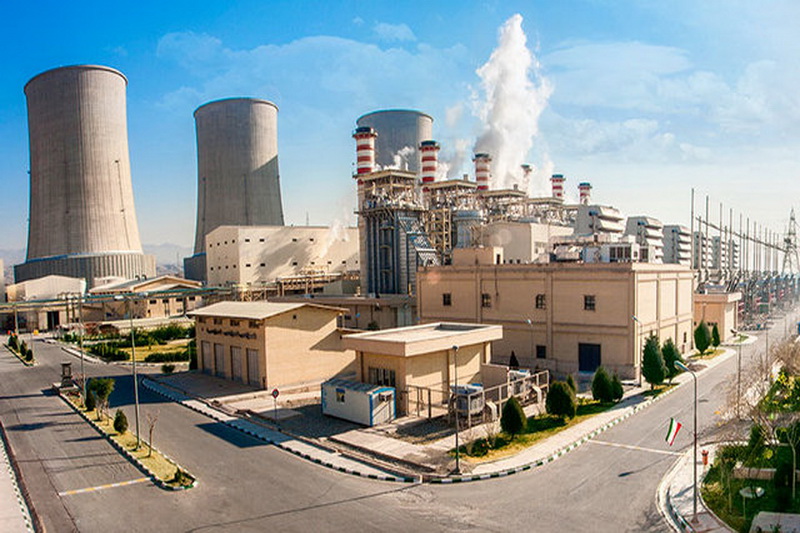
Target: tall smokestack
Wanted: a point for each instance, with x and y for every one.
(557, 183)
(365, 149)
(585, 191)
(482, 170)
(430, 161)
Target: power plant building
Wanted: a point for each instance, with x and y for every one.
(400, 133)
(238, 181)
(82, 215)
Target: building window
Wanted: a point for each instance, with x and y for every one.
(447, 299)
(541, 301)
(684, 336)
(382, 376)
(340, 395)
(201, 320)
(294, 263)
(247, 265)
(247, 240)
(191, 298)
(263, 264)
(486, 300)
(217, 321)
(234, 322)
(294, 239)
(253, 324)
(311, 239)
(261, 240)
(588, 302)
(152, 301)
(541, 352)
(344, 262)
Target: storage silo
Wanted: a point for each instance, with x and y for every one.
(82, 215)
(238, 180)
(400, 133)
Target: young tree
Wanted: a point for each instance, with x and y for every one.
(616, 388)
(572, 384)
(102, 388)
(90, 403)
(671, 354)
(702, 337)
(653, 368)
(601, 386)
(152, 418)
(513, 420)
(715, 340)
(512, 361)
(561, 400)
(120, 422)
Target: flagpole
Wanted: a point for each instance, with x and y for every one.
(685, 368)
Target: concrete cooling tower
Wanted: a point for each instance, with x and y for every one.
(400, 132)
(82, 218)
(237, 170)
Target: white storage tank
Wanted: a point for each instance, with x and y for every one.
(361, 403)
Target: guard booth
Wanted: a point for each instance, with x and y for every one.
(361, 403)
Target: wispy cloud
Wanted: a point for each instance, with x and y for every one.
(393, 32)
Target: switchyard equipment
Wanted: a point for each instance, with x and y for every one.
(82, 215)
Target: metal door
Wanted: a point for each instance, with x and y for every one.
(252, 368)
(206, 354)
(236, 363)
(588, 357)
(219, 360)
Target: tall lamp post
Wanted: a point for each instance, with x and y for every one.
(530, 325)
(681, 366)
(638, 354)
(80, 344)
(738, 374)
(455, 375)
(129, 298)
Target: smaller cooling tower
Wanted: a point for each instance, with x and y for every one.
(400, 132)
(238, 180)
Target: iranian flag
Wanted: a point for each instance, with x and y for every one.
(674, 427)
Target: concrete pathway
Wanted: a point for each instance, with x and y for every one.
(14, 514)
(303, 449)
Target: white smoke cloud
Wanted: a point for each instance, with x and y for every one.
(452, 159)
(514, 95)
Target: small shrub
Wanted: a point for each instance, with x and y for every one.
(90, 403)
(167, 368)
(653, 369)
(571, 382)
(671, 354)
(169, 357)
(120, 422)
(702, 337)
(512, 361)
(756, 442)
(561, 400)
(513, 419)
(616, 388)
(715, 340)
(13, 342)
(601, 386)
(29, 355)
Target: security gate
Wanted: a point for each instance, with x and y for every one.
(206, 354)
(236, 363)
(252, 368)
(219, 360)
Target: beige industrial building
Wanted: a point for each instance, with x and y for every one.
(522, 242)
(171, 302)
(258, 255)
(45, 316)
(563, 317)
(424, 357)
(272, 345)
(719, 309)
(364, 312)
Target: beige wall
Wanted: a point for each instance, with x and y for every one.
(298, 347)
(660, 296)
(719, 309)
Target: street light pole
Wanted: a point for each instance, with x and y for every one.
(738, 375)
(455, 374)
(638, 354)
(530, 325)
(135, 377)
(80, 344)
(685, 368)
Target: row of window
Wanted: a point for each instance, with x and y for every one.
(294, 264)
(166, 300)
(253, 324)
(262, 239)
(589, 301)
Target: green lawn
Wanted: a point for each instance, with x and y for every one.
(176, 346)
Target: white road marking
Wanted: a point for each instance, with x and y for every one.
(103, 487)
(637, 448)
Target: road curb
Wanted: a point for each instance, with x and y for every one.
(138, 464)
(163, 391)
(7, 457)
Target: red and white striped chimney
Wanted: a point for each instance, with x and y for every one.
(585, 192)
(365, 149)
(430, 161)
(482, 170)
(557, 184)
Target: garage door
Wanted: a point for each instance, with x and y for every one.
(588, 357)
(252, 368)
(219, 360)
(236, 363)
(206, 353)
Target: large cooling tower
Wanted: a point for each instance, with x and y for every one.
(400, 131)
(82, 218)
(237, 170)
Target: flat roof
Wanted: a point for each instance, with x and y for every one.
(425, 338)
(255, 310)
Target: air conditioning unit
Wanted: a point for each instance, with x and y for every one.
(466, 401)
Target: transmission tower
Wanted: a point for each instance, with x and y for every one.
(791, 260)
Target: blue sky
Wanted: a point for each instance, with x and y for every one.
(647, 99)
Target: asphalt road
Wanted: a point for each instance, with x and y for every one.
(246, 485)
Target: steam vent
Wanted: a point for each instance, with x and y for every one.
(82, 217)
(238, 181)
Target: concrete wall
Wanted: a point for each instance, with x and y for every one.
(256, 255)
(719, 309)
(237, 165)
(522, 242)
(660, 296)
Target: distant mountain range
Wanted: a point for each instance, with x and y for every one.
(169, 258)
